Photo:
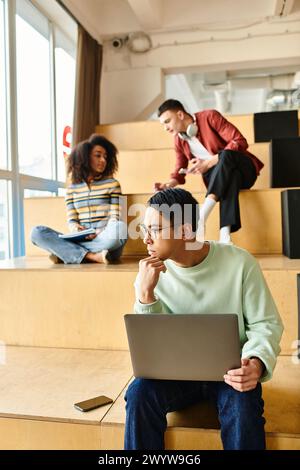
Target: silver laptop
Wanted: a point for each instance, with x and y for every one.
(183, 346)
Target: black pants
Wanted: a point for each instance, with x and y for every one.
(233, 172)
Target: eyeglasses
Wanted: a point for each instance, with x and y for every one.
(152, 233)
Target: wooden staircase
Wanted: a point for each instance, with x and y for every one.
(63, 325)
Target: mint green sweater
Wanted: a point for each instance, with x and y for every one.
(228, 280)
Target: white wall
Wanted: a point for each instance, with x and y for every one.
(133, 80)
(130, 94)
(187, 36)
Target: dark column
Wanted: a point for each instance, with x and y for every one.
(290, 218)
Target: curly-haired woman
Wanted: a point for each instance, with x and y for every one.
(93, 201)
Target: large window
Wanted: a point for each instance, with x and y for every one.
(33, 91)
(65, 62)
(37, 85)
(3, 129)
(5, 219)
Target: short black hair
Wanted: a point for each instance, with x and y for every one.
(170, 105)
(180, 200)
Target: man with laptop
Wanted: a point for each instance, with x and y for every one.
(184, 276)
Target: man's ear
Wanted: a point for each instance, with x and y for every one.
(187, 232)
(180, 114)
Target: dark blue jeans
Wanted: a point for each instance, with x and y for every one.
(149, 401)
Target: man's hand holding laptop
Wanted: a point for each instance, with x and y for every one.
(245, 378)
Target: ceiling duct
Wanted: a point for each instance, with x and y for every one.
(280, 100)
(139, 43)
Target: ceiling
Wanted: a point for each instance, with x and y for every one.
(106, 18)
(174, 19)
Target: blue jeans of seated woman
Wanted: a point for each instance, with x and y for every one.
(112, 238)
(149, 401)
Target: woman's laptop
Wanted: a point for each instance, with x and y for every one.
(183, 346)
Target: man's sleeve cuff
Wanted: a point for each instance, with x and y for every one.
(154, 307)
(267, 373)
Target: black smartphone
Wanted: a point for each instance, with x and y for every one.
(93, 403)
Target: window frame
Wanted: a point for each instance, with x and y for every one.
(19, 181)
(9, 213)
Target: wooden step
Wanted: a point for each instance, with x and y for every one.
(141, 135)
(31, 434)
(82, 306)
(140, 169)
(260, 215)
(150, 135)
(145, 135)
(66, 306)
(188, 430)
(40, 386)
(112, 438)
(50, 211)
(245, 124)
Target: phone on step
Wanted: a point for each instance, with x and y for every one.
(93, 403)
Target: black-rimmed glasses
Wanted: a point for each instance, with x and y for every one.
(152, 232)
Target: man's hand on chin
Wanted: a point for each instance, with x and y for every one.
(149, 271)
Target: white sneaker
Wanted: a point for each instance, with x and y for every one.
(226, 239)
(226, 242)
(105, 256)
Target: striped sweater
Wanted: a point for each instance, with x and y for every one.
(93, 205)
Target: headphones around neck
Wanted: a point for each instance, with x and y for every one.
(192, 130)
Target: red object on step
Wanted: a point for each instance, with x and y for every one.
(67, 139)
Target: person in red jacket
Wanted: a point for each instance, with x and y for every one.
(218, 151)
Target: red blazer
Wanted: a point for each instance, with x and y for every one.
(216, 134)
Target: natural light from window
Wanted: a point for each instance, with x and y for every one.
(5, 190)
(3, 143)
(34, 105)
(65, 89)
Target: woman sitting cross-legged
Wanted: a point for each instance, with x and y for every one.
(93, 201)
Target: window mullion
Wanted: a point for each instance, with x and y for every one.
(53, 103)
(41, 184)
(18, 182)
(12, 128)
